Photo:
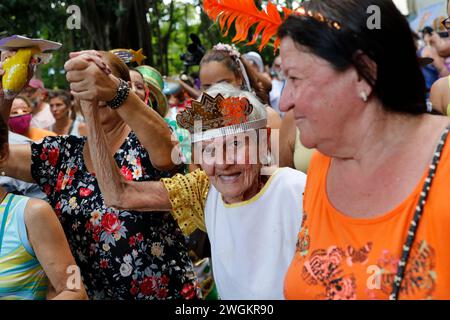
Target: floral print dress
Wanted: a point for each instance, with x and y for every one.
(121, 254)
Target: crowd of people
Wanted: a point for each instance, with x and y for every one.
(319, 177)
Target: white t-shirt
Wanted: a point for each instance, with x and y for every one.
(253, 242)
(43, 119)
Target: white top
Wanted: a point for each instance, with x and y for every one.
(275, 94)
(253, 242)
(74, 131)
(43, 119)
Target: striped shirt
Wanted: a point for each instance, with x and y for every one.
(21, 275)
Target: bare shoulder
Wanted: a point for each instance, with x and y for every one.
(440, 85)
(440, 95)
(82, 129)
(434, 128)
(38, 212)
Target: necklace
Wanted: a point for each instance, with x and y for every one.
(416, 219)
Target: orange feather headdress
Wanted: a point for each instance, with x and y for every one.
(245, 15)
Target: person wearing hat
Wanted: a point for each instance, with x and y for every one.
(42, 115)
(34, 254)
(125, 252)
(252, 244)
(155, 85)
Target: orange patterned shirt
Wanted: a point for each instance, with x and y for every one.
(339, 257)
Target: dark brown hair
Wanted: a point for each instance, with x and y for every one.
(26, 100)
(231, 63)
(391, 47)
(66, 98)
(118, 67)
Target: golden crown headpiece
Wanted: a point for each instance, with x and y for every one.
(213, 117)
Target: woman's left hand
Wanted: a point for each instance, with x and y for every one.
(90, 77)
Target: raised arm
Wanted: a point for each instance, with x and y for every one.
(118, 192)
(18, 164)
(185, 195)
(49, 243)
(90, 81)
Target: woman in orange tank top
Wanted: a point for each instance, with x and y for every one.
(376, 209)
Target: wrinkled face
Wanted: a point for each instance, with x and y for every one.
(137, 84)
(59, 109)
(323, 100)
(19, 107)
(232, 169)
(215, 72)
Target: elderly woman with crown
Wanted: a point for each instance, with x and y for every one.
(252, 219)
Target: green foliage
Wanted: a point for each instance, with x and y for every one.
(161, 29)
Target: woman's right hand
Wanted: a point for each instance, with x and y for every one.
(90, 77)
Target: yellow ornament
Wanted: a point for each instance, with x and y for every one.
(16, 71)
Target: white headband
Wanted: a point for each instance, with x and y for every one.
(198, 135)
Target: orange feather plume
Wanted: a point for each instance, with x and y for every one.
(245, 14)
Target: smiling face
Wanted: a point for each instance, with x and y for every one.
(325, 102)
(215, 72)
(231, 168)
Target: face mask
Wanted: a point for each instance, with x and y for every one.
(20, 124)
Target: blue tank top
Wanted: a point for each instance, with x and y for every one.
(21, 275)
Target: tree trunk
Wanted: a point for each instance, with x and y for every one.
(143, 29)
(166, 38)
(155, 22)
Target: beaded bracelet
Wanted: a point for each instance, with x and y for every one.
(122, 94)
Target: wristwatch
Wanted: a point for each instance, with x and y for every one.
(122, 94)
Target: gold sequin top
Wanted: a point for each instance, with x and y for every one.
(187, 194)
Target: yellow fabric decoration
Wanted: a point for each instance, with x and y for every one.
(187, 194)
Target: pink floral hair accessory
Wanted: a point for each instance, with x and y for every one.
(231, 49)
